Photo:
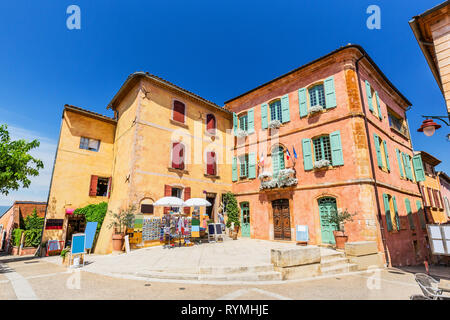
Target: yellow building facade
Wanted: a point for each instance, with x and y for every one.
(155, 122)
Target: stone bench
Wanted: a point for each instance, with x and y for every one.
(364, 254)
(295, 263)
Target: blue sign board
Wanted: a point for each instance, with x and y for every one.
(91, 228)
(78, 243)
(302, 233)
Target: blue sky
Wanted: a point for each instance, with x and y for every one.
(217, 49)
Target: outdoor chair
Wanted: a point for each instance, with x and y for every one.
(429, 287)
(419, 297)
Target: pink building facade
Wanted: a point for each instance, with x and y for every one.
(330, 135)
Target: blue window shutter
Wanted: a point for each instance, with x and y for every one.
(409, 214)
(252, 165)
(378, 150)
(387, 155)
(307, 154)
(400, 167)
(285, 113)
(336, 149)
(264, 121)
(397, 218)
(330, 94)
(378, 106)
(418, 168)
(234, 169)
(387, 212)
(302, 102)
(235, 122)
(251, 120)
(369, 96)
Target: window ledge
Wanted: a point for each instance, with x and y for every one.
(182, 171)
(404, 135)
(181, 124)
(212, 176)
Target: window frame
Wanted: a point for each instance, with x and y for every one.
(245, 164)
(243, 116)
(215, 163)
(279, 151)
(81, 146)
(321, 138)
(278, 112)
(211, 131)
(173, 110)
(177, 167)
(315, 89)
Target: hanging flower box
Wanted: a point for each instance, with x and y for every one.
(322, 164)
(315, 109)
(241, 133)
(264, 176)
(285, 178)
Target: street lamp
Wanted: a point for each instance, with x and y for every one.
(429, 127)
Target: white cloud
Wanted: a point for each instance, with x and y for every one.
(38, 190)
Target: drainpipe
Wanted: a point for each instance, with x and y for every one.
(372, 167)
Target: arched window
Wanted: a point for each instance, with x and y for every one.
(178, 155)
(210, 123)
(317, 96)
(179, 111)
(277, 160)
(275, 110)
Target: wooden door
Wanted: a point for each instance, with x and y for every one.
(281, 220)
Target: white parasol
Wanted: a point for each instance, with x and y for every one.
(197, 202)
(169, 202)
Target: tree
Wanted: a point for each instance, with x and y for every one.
(16, 164)
(232, 210)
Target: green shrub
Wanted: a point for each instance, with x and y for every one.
(232, 210)
(33, 221)
(32, 237)
(16, 235)
(94, 213)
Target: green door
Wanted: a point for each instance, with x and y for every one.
(245, 219)
(327, 205)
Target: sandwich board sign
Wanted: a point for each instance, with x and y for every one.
(78, 245)
(91, 228)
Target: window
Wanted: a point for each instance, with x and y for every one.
(382, 153)
(210, 123)
(431, 202)
(243, 161)
(397, 123)
(322, 149)
(391, 212)
(178, 156)
(317, 96)
(100, 186)
(147, 208)
(176, 192)
(178, 111)
(243, 122)
(211, 163)
(275, 111)
(89, 144)
(277, 160)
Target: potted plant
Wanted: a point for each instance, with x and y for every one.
(339, 219)
(120, 222)
(63, 255)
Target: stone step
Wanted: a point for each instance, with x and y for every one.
(332, 256)
(167, 275)
(247, 276)
(235, 269)
(333, 262)
(341, 268)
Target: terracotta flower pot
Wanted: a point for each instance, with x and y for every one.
(117, 241)
(340, 239)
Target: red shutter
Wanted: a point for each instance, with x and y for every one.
(181, 157)
(425, 203)
(436, 199)
(214, 163)
(178, 111)
(167, 193)
(93, 188)
(210, 123)
(187, 195)
(209, 167)
(441, 200)
(175, 155)
(430, 197)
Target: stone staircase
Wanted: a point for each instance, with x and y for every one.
(335, 262)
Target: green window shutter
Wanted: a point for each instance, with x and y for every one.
(409, 213)
(251, 120)
(285, 113)
(387, 155)
(235, 121)
(264, 121)
(397, 218)
(275, 163)
(418, 168)
(302, 102)
(420, 213)
(369, 96)
(307, 154)
(281, 164)
(330, 94)
(400, 167)
(378, 106)
(234, 175)
(336, 149)
(378, 150)
(387, 212)
(407, 162)
(405, 165)
(252, 165)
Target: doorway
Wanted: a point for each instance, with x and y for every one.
(326, 206)
(211, 198)
(281, 219)
(75, 224)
